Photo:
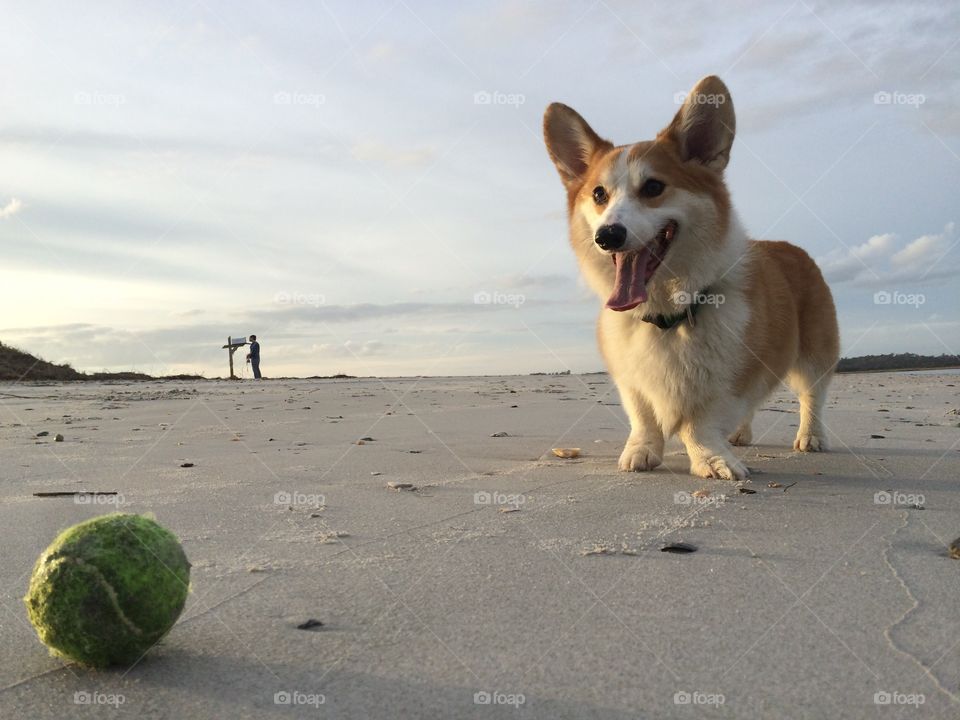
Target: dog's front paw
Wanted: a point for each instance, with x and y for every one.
(809, 442)
(719, 467)
(636, 458)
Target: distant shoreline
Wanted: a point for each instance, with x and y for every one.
(140, 378)
(20, 366)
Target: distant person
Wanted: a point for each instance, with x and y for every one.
(253, 357)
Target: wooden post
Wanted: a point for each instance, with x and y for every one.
(231, 348)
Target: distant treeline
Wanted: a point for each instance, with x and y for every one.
(898, 361)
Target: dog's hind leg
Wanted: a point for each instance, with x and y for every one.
(743, 435)
(811, 390)
(816, 361)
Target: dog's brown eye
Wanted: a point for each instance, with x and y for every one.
(652, 188)
(600, 196)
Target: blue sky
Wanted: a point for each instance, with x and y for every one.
(330, 176)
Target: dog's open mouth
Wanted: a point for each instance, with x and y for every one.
(635, 268)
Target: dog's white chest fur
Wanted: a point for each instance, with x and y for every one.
(681, 369)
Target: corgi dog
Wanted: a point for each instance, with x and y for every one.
(699, 323)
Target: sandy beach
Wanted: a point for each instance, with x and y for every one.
(505, 582)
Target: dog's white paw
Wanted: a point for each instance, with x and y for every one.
(743, 436)
(636, 458)
(809, 442)
(719, 467)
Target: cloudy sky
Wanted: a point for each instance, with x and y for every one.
(343, 178)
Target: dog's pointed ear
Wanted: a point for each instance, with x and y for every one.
(571, 142)
(704, 127)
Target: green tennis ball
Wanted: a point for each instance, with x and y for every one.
(108, 589)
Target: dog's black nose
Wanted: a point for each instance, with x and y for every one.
(611, 237)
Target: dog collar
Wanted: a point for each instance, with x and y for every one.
(665, 322)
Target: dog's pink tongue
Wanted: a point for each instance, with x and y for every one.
(630, 286)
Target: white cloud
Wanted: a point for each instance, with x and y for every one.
(881, 258)
(876, 247)
(847, 264)
(11, 208)
(925, 250)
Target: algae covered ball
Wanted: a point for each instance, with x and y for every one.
(108, 589)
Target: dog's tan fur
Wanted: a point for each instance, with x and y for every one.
(792, 333)
(777, 322)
